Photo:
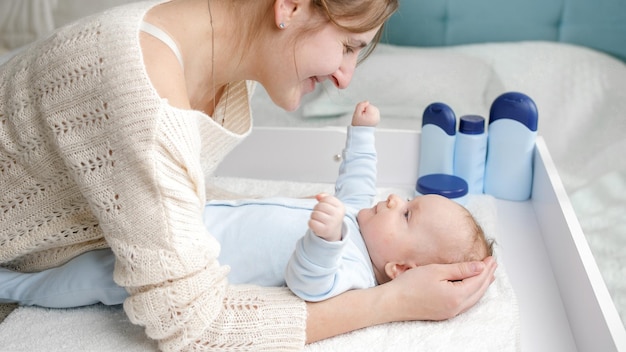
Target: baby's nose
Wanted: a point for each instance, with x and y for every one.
(392, 201)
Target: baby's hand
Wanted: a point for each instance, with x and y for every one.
(327, 217)
(365, 114)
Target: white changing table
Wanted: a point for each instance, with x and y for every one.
(564, 303)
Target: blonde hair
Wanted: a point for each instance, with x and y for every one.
(358, 16)
(481, 246)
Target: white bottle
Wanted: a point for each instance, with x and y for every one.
(510, 148)
(437, 140)
(470, 151)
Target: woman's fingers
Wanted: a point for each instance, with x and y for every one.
(477, 285)
(442, 291)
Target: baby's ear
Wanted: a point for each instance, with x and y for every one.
(394, 269)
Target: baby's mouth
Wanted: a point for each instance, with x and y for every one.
(376, 207)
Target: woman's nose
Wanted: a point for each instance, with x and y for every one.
(343, 76)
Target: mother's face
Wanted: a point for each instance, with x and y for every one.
(328, 53)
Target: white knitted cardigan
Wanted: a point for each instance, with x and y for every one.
(90, 156)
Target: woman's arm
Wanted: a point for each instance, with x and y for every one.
(432, 292)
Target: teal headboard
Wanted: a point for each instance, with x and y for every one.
(598, 24)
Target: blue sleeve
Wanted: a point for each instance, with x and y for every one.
(356, 183)
(318, 269)
(311, 270)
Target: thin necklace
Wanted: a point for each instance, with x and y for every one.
(227, 88)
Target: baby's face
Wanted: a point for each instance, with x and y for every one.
(427, 229)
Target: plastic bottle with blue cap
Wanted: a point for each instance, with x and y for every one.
(512, 132)
(438, 135)
(470, 152)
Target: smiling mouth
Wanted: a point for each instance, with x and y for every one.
(313, 82)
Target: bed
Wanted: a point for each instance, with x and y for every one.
(569, 56)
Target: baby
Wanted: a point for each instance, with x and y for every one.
(348, 245)
(365, 246)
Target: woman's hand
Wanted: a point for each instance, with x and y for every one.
(430, 292)
(441, 291)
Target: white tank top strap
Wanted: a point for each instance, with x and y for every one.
(164, 37)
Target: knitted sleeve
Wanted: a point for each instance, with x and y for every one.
(178, 289)
(167, 259)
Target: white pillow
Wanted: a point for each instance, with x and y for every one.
(24, 21)
(403, 81)
(581, 98)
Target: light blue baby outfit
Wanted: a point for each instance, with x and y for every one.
(264, 241)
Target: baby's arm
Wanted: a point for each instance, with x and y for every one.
(312, 270)
(356, 182)
(314, 267)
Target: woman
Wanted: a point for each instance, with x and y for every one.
(109, 127)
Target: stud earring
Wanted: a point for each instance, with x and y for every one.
(281, 25)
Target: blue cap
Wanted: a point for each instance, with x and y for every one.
(515, 106)
(472, 124)
(441, 115)
(449, 186)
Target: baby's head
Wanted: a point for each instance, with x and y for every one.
(428, 229)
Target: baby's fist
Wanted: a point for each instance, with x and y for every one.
(327, 217)
(365, 114)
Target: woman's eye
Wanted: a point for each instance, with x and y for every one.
(407, 214)
(347, 49)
